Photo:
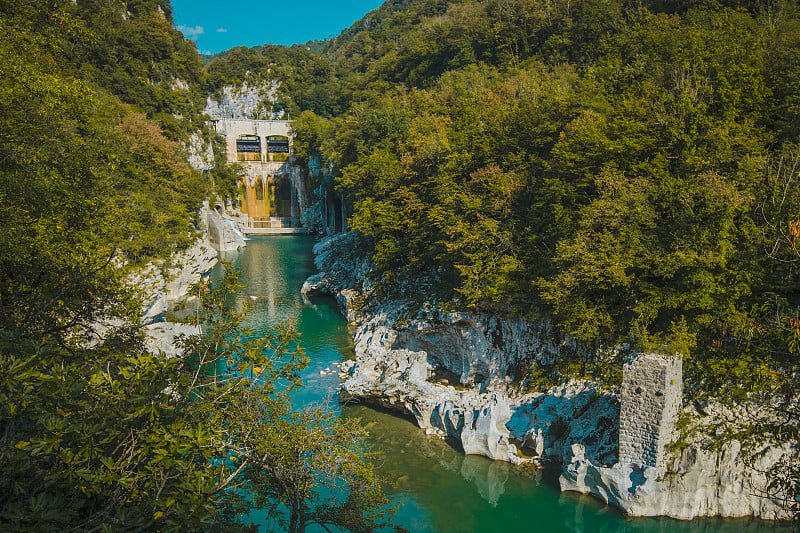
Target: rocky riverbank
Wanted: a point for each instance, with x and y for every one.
(167, 282)
(451, 371)
(455, 373)
(696, 482)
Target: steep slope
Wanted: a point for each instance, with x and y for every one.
(626, 170)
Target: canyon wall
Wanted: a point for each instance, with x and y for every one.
(458, 375)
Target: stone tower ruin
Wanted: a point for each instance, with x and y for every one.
(650, 397)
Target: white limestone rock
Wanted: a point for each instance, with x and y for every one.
(156, 305)
(394, 368)
(163, 337)
(223, 233)
(484, 430)
(163, 282)
(397, 367)
(201, 153)
(245, 101)
(314, 284)
(342, 274)
(696, 483)
(321, 215)
(179, 84)
(190, 266)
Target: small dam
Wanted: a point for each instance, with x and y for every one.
(273, 192)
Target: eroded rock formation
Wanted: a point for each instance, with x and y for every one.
(455, 373)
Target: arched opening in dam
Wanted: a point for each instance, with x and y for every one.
(281, 197)
(270, 201)
(277, 148)
(248, 148)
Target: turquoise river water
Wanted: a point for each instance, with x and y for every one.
(439, 489)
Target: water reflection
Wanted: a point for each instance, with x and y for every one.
(489, 477)
(443, 490)
(439, 489)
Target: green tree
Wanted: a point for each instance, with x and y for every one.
(95, 432)
(112, 436)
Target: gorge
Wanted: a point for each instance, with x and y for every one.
(545, 251)
(460, 375)
(577, 425)
(439, 487)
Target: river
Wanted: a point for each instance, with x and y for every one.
(439, 489)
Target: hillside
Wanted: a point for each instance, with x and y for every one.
(98, 101)
(627, 169)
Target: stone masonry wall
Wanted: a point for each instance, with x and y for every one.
(652, 386)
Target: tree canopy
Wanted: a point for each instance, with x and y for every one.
(628, 169)
(97, 101)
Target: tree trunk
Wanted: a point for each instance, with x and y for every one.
(297, 520)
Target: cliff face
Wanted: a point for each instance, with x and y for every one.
(165, 283)
(455, 374)
(245, 101)
(223, 232)
(695, 483)
(451, 372)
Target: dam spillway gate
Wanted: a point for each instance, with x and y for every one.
(272, 192)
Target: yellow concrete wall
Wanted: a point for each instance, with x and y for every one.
(275, 201)
(250, 202)
(258, 166)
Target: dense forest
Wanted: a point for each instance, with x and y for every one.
(98, 100)
(627, 169)
(630, 170)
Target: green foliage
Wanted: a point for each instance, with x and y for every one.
(299, 466)
(630, 172)
(95, 432)
(111, 436)
(782, 75)
(89, 436)
(129, 49)
(619, 199)
(94, 438)
(310, 132)
(84, 181)
(139, 198)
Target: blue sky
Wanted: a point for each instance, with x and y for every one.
(217, 25)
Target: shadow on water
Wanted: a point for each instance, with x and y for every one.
(438, 487)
